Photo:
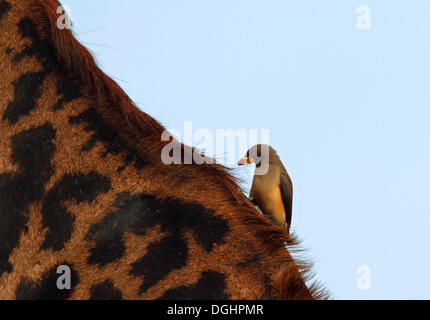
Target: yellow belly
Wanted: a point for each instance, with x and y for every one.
(271, 204)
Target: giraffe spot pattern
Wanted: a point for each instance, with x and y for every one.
(32, 151)
(174, 251)
(4, 8)
(102, 132)
(211, 286)
(47, 288)
(69, 91)
(78, 187)
(38, 47)
(105, 291)
(27, 88)
(139, 212)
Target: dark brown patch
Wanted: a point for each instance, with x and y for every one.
(4, 8)
(47, 288)
(32, 152)
(211, 286)
(105, 291)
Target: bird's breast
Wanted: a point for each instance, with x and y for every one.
(269, 200)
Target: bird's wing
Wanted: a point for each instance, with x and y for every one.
(286, 186)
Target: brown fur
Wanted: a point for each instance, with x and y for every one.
(274, 275)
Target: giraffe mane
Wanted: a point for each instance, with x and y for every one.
(135, 126)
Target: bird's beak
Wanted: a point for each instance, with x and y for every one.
(244, 160)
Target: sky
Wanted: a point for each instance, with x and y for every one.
(343, 92)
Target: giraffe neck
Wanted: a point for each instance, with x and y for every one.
(82, 185)
(46, 88)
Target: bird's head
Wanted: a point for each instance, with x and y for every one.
(261, 154)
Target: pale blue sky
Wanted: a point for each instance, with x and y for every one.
(348, 111)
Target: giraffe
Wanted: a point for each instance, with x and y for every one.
(82, 185)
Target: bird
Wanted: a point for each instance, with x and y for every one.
(272, 188)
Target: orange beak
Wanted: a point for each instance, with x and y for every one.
(243, 161)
